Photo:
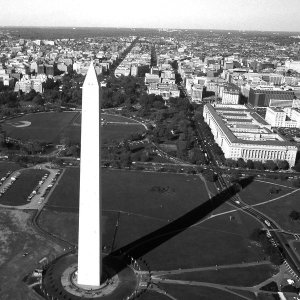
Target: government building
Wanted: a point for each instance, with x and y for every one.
(242, 133)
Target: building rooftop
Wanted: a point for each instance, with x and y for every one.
(258, 118)
(233, 139)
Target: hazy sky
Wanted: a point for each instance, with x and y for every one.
(198, 14)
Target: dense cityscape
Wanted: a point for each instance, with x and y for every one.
(200, 161)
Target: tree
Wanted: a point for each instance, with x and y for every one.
(270, 165)
(258, 165)
(274, 190)
(197, 157)
(283, 165)
(38, 100)
(234, 177)
(51, 84)
(250, 164)
(297, 166)
(294, 215)
(210, 175)
(241, 163)
(29, 96)
(229, 162)
(73, 150)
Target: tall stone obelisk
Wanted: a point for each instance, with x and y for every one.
(89, 241)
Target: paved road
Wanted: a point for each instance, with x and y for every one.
(268, 223)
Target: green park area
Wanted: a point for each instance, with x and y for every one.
(242, 276)
(275, 198)
(47, 127)
(53, 127)
(145, 203)
(181, 291)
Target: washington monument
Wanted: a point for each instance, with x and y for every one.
(89, 241)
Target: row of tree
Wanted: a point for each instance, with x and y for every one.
(258, 165)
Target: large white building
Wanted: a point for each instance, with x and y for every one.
(197, 92)
(292, 65)
(230, 97)
(164, 90)
(287, 117)
(151, 78)
(275, 117)
(242, 133)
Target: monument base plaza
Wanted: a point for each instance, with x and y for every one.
(120, 280)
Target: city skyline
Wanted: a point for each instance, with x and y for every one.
(228, 15)
(148, 163)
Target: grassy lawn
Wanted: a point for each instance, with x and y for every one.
(116, 118)
(118, 132)
(215, 242)
(51, 127)
(65, 225)
(65, 196)
(147, 201)
(297, 246)
(143, 203)
(182, 292)
(136, 192)
(19, 191)
(109, 132)
(248, 276)
(258, 192)
(109, 118)
(8, 166)
(150, 295)
(46, 127)
(280, 209)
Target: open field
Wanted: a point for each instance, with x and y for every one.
(297, 246)
(145, 202)
(52, 127)
(280, 210)
(149, 295)
(279, 205)
(116, 118)
(213, 242)
(119, 132)
(258, 192)
(46, 127)
(53, 221)
(66, 193)
(19, 191)
(148, 194)
(248, 276)
(182, 292)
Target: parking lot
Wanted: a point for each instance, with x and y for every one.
(34, 198)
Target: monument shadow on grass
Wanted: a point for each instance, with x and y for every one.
(147, 243)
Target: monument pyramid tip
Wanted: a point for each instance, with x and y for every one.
(91, 77)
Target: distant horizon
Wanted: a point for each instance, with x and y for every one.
(246, 15)
(148, 28)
